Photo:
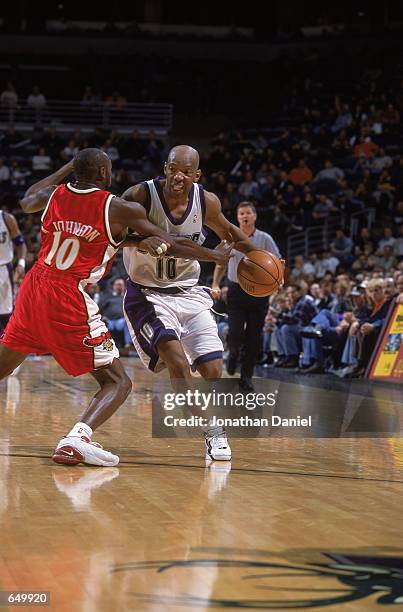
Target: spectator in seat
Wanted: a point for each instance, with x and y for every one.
(324, 330)
(359, 312)
(301, 175)
(89, 99)
(18, 176)
(41, 162)
(365, 237)
(231, 197)
(364, 332)
(390, 290)
(380, 162)
(398, 214)
(365, 147)
(249, 188)
(323, 208)
(344, 118)
(399, 289)
(9, 98)
(111, 309)
(399, 243)
(329, 262)
(302, 311)
(69, 151)
(390, 118)
(342, 247)
(36, 100)
(387, 240)
(330, 173)
(4, 172)
(386, 261)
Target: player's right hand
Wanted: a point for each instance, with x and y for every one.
(154, 246)
(223, 253)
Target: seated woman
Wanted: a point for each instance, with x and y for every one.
(364, 332)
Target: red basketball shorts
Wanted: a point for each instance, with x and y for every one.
(53, 314)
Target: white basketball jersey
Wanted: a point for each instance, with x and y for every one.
(6, 244)
(169, 271)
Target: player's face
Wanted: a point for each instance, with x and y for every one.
(246, 216)
(180, 175)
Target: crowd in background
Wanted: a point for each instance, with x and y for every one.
(338, 155)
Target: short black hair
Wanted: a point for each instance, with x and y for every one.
(87, 162)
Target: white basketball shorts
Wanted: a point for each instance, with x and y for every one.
(152, 316)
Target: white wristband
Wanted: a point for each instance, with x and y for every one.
(21, 262)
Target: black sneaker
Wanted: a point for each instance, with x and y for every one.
(266, 360)
(245, 384)
(311, 332)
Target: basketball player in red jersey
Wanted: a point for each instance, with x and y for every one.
(83, 225)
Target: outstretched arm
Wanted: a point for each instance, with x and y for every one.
(36, 197)
(178, 247)
(225, 230)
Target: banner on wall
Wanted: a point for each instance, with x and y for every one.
(387, 361)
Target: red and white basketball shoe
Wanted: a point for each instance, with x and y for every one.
(73, 450)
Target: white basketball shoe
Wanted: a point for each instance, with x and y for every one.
(217, 447)
(73, 450)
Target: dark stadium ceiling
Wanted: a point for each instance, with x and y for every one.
(257, 13)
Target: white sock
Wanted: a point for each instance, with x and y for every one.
(214, 430)
(80, 429)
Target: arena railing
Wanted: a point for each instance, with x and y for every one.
(361, 217)
(75, 114)
(314, 238)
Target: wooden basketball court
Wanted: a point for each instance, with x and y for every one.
(289, 524)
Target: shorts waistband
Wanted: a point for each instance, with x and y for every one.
(54, 274)
(164, 290)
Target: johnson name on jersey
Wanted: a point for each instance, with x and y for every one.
(75, 233)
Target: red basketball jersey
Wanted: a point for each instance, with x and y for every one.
(75, 233)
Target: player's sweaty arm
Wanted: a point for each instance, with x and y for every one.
(225, 230)
(36, 197)
(123, 215)
(179, 247)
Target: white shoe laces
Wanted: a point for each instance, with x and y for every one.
(220, 441)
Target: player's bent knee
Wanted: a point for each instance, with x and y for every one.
(212, 371)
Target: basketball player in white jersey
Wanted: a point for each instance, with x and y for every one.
(168, 315)
(10, 237)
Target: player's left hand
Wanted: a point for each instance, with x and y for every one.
(154, 246)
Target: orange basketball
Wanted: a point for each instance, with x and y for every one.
(260, 273)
